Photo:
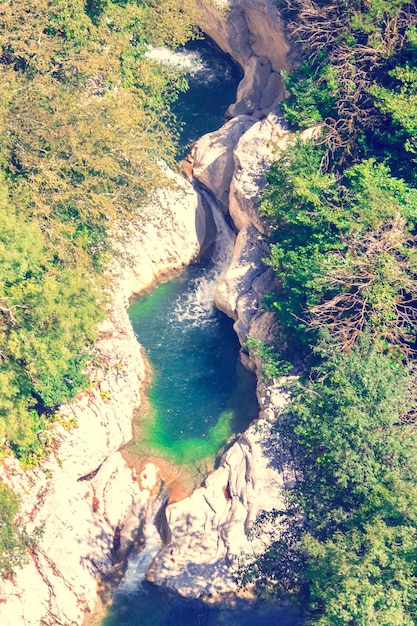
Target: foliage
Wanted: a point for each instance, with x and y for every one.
(348, 47)
(375, 286)
(352, 559)
(272, 367)
(313, 96)
(342, 248)
(84, 119)
(342, 215)
(13, 542)
(301, 206)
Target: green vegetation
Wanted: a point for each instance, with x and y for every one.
(84, 118)
(341, 209)
(13, 541)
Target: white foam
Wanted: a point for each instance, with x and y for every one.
(139, 562)
(186, 60)
(197, 308)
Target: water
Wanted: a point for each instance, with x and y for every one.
(157, 607)
(213, 77)
(200, 393)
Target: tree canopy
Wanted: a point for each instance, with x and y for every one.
(341, 212)
(84, 118)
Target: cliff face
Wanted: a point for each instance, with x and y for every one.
(252, 32)
(209, 529)
(86, 501)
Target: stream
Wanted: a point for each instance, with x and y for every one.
(200, 394)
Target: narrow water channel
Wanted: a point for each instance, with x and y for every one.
(212, 82)
(199, 393)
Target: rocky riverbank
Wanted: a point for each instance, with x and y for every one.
(209, 529)
(252, 32)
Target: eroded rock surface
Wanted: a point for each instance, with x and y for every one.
(212, 157)
(209, 529)
(252, 32)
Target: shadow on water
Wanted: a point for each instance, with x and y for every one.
(154, 606)
(212, 85)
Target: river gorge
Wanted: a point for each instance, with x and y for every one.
(88, 498)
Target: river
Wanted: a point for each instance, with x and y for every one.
(200, 394)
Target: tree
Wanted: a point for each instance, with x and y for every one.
(346, 542)
(348, 46)
(13, 542)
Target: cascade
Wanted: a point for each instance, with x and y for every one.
(199, 301)
(139, 561)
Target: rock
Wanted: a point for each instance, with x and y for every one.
(78, 521)
(246, 265)
(213, 157)
(252, 32)
(172, 237)
(253, 156)
(86, 501)
(251, 87)
(209, 529)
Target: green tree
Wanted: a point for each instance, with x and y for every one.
(346, 541)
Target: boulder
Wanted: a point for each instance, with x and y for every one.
(252, 32)
(252, 156)
(212, 155)
(246, 265)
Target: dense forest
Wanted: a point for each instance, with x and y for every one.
(84, 118)
(341, 210)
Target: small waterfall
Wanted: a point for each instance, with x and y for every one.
(198, 306)
(225, 237)
(139, 562)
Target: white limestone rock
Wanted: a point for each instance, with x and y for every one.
(212, 157)
(85, 499)
(246, 265)
(252, 156)
(209, 529)
(252, 32)
(78, 521)
(171, 238)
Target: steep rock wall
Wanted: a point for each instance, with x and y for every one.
(86, 501)
(209, 529)
(252, 32)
